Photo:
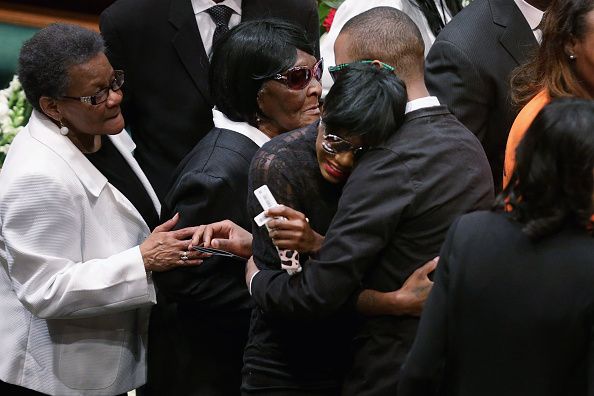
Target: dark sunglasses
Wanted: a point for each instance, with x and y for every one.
(333, 144)
(103, 94)
(338, 70)
(299, 77)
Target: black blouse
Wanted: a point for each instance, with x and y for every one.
(287, 354)
(112, 164)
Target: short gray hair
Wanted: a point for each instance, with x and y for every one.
(45, 59)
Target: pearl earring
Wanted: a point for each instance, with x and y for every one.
(571, 57)
(63, 129)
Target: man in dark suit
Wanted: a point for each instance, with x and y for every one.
(469, 66)
(394, 211)
(161, 46)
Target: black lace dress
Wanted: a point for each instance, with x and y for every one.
(291, 355)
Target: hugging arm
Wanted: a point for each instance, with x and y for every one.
(373, 200)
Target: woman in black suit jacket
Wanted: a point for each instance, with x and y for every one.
(264, 80)
(512, 308)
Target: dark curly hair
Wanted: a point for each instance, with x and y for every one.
(553, 181)
(247, 56)
(45, 59)
(366, 101)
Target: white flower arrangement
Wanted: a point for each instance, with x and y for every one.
(14, 114)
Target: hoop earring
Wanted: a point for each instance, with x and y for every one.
(63, 129)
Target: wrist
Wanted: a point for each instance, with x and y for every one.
(318, 240)
(401, 302)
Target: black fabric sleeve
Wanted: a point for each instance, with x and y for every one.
(424, 368)
(454, 79)
(373, 201)
(268, 169)
(218, 282)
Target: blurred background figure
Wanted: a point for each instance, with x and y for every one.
(430, 16)
(563, 66)
(76, 214)
(469, 65)
(511, 284)
(265, 80)
(165, 48)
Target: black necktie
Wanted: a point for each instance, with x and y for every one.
(220, 15)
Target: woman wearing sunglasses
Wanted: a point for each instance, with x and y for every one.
(305, 171)
(76, 214)
(264, 82)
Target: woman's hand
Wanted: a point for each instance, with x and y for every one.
(224, 235)
(408, 300)
(293, 232)
(164, 249)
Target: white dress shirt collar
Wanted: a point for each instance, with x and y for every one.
(243, 128)
(206, 25)
(421, 103)
(533, 16)
(203, 5)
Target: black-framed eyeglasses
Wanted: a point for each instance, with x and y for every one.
(298, 77)
(338, 70)
(103, 94)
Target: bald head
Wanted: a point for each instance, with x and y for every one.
(386, 34)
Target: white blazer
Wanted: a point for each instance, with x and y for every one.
(74, 295)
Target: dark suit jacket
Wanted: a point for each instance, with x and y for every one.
(468, 68)
(214, 305)
(167, 105)
(392, 217)
(506, 316)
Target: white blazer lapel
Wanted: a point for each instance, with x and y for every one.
(45, 131)
(123, 142)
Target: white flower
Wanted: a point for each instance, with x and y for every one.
(14, 113)
(15, 84)
(3, 107)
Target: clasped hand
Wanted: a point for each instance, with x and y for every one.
(165, 249)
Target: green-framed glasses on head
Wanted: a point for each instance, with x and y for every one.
(336, 71)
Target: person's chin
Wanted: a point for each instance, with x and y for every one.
(115, 125)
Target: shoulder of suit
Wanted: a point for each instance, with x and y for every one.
(220, 152)
(474, 21)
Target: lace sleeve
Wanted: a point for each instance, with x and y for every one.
(271, 169)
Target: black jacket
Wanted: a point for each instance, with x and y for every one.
(506, 316)
(468, 68)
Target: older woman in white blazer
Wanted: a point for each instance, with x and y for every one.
(76, 248)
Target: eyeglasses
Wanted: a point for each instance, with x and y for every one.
(335, 145)
(103, 94)
(299, 77)
(338, 70)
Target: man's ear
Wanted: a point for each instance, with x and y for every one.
(50, 108)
